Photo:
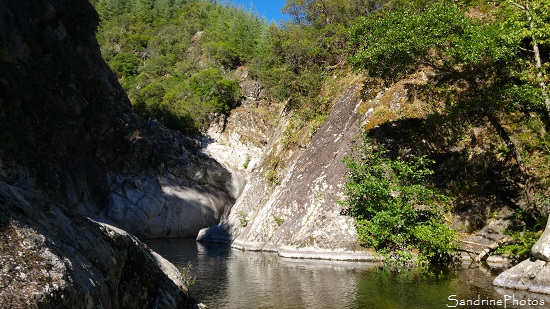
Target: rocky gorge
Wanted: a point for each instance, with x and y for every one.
(294, 210)
(81, 173)
(290, 204)
(76, 161)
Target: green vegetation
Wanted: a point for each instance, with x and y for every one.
(174, 58)
(521, 240)
(246, 161)
(395, 208)
(483, 64)
(187, 276)
(243, 218)
(278, 220)
(272, 178)
(520, 248)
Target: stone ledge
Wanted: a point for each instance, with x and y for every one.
(530, 275)
(311, 253)
(328, 254)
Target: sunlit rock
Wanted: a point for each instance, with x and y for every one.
(541, 249)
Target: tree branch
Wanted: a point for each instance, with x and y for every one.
(521, 7)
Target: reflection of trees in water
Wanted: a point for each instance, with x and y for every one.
(268, 281)
(227, 278)
(410, 289)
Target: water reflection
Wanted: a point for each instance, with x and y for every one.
(228, 278)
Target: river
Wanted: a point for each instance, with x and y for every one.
(229, 278)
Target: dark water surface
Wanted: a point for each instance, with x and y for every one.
(228, 278)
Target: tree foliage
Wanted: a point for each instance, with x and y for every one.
(476, 55)
(394, 207)
(391, 44)
(174, 57)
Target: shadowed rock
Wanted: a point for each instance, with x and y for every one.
(67, 128)
(53, 258)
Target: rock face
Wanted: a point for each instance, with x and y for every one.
(302, 216)
(70, 145)
(241, 143)
(531, 275)
(52, 258)
(67, 128)
(290, 201)
(295, 210)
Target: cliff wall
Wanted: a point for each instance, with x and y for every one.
(68, 129)
(290, 201)
(72, 149)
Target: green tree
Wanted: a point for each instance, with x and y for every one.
(394, 207)
(125, 64)
(174, 57)
(321, 13)
(475, 63)
(221, 93)
(531, 21)
(110, 8)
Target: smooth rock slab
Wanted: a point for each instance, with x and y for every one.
(541, 249)
(531, 275)
(302, 209)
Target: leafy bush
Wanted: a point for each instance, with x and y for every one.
(243, 218)
(394, 207)
(222, 94)
(187, 276)
(520, 248)
(125, 64)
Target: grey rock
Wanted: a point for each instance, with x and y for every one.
(541, 249)
(300, 217)
(303, 212)
(530, 275)
(164, 207)
(74, 136)
(54, 258)
(220, 233)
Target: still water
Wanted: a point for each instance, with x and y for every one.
(228, 278)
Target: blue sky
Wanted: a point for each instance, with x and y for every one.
(270, 9)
